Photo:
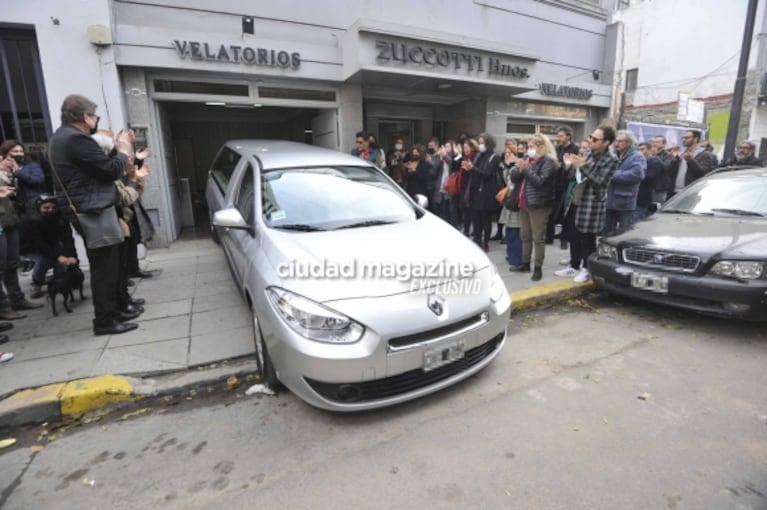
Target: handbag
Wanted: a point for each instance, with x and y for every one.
(98, 229)
(502, 195)
(452, 186)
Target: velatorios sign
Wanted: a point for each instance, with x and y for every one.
(195, 50)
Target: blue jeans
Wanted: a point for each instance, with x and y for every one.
(42, 265)
(513, 246)
(615, 219)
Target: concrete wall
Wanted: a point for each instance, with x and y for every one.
(70, 64)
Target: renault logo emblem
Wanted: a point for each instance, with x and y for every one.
(435, 304)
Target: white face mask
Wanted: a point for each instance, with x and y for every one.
(531, 153)
(398, 146)
(482, 147)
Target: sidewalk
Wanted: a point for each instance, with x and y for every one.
(195, 318)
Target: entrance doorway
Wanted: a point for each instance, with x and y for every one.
(192, 133)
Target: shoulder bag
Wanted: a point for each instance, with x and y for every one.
(98, 229)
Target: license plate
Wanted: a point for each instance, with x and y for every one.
(442, 355)
(651, 282)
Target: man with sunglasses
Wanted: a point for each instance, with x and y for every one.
(690, 165)
(589, 197)
(88, 176)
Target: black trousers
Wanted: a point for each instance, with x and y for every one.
(123, 268)
(571, 234)
(483, 224)
(105, 266)
(588, 246)
(132, 262)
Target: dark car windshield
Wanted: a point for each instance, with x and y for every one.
(328, 198)
(730, 194)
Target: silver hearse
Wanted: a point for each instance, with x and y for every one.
(360, 297)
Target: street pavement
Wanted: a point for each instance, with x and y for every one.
(196, 330)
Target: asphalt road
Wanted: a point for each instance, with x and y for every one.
(590, 406)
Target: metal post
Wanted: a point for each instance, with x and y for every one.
(740, 82)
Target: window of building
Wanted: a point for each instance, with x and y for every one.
(631, 79)
(209, 88)
(290, 93)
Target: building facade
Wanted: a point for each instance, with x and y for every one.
(671, 53)
(187, 75)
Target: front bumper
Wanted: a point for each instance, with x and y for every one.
(386, 366)
(710, 295)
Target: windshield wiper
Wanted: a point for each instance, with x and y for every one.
(368, 223)
(738, 212)
(677, 211)
(299, 227)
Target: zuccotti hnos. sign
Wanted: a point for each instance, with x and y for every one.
(551, 89)
(238, 54)
(442, 58)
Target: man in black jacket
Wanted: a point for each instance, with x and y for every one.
(689, 165)
(88, 175)
(745, 156)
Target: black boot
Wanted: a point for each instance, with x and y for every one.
(521, 268)
(537, 274)
(563, 244)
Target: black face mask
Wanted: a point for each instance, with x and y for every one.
(430, 150)
(19, 160)
(94, 129)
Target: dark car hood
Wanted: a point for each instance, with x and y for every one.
(705, 236)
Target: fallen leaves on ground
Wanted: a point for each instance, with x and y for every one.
(232, 381)
(133, 414)
(644, 396)
(5, 443)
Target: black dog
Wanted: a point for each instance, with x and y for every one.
(65, 284)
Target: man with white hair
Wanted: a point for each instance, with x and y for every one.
(624, 185)
(745, 155)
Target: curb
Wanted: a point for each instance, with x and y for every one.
(548, 293)
(69, 400)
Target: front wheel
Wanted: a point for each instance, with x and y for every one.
(266, 371)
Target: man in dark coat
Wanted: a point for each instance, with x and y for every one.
(88, 175)
(565, 145)
(690, 165)
(745, 156)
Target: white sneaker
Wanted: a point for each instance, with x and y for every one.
(564, 261)
(6, 356)
(568, 271)
(582, 276)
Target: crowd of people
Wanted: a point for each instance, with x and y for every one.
(93, 173)
(606, 182)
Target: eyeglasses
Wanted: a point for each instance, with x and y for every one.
(745, 147)
(592, 139)
(94, 115)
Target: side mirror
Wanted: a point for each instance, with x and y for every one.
(422, 201)
(230, 218)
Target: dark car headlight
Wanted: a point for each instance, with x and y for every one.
(606, 251)
(313, 320)
(744, 269)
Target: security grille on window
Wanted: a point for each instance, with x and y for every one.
(631, 79)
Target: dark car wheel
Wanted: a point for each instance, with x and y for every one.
(266, 370)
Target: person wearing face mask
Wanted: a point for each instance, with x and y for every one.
(394, 164)
(535, 175)
(486, 179)
(28, 177)
(88, 175)
(50, 242)
(11, 297)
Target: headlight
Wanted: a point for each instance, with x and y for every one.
(313, 320)
(497, 287)
(739, 269)
(605, 251)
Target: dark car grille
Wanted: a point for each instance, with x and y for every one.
(661, 260)
(405, 382)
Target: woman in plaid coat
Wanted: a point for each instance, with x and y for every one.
(590, 194)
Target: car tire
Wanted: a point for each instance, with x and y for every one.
(266, 371)
(213, 231)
